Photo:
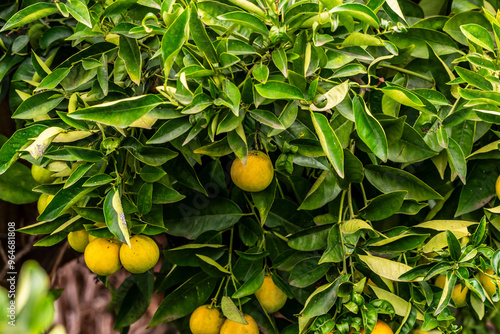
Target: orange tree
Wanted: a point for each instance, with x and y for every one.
(380, 119)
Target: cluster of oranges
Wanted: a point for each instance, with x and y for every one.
(105, 256)
(209, 320)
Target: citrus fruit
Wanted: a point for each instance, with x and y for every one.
(78, 240)
(233, 327)
(320, 101)
(497, 187)
(205, 320)
(41, 175)
(142, 256)
(459, 292)
(43, 201)
(270, 296)
(102, 256)
(487, 282)
(380, 328)
(256, 176)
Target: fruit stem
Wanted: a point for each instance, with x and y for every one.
(341, 206)
(214, 300)
(365, 200)
(344, 263)
(402, 70)
(349, 199)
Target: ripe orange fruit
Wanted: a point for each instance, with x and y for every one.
(43, 201)
(102, 256)
(206, 320)
(380, 328)
(142, 256)
(459, 291)
(270, 296)
(487, 282)
(233, 327)
(497, 187)
(78, 240)
(256, 176)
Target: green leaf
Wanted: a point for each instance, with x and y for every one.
(174, 39)
(185, 299)
(53, 79)
(324, 190)
(477, 96)
(64, 199)
(120, 113)
(170, 130)
(474, 79)
(478, 35)
(153, 156)
(79, 11)
(251, 285)
(419, 38)
(145, 198)
(456, 158)
(329, 142)
(403, 96)
(400, 305)
(267, 118)
(232, 312)
(279, 90)
(115, 217)
(322, 299)
(29, 14)
(383, 206)
(358, 11)
(388, 179)
(399, 243)
(452, 26)
(16, 184)
(334, 251)
(189, 220)
(246, 20)
(310, 239)
(38, 105)
(369, 129)
(264, 200)
(151, 174)
(131, 54)
(410, 147)
(307, 272)
(85, 154)
(280, 60)
(385, 268)
(21, 138)
(98, 180)
(78, 173)
(213, 263)
(453, 246)
(480, 187)
(200, 36)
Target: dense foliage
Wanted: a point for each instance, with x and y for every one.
(381, 119)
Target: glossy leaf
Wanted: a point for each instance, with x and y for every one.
(119, 113)
(388, 179)
(38, 105)
(130, 53)
(369, 129)
(279, 90)
(29, 14)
